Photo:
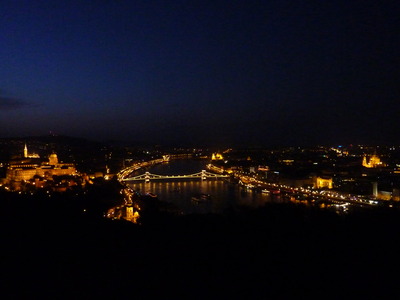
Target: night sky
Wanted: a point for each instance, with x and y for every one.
(232, 73)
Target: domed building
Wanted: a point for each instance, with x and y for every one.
(373, 162)
(53, 159)
(31, 165)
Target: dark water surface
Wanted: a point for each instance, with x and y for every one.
(223, 194)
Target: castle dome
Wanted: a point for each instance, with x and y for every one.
(53, 159)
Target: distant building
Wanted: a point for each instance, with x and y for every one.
(263, 168)
(178, 156)
(396, 194)
(373, 162)
(384, 195)
(30, 155)
(217, 156)
(323, 182)
(30, 165)
(287, 162)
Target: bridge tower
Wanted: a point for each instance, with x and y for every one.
(203, 175)
(147, 177)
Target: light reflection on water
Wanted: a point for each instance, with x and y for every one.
(223, 194)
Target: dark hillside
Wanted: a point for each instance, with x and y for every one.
(278, 250)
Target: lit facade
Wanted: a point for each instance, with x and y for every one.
(217, 156)
(30, 166)
(322, 183)
(29, 155)
(373, 162)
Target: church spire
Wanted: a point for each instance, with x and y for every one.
(25, 151)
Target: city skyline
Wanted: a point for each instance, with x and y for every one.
(212, 73)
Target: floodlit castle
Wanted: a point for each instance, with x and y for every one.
(31, 165)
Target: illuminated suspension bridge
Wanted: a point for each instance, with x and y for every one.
(203, 175)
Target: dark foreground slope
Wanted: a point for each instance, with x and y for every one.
(276, 251)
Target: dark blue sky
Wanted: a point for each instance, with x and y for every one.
(194, 72)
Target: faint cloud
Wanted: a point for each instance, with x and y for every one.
(7, 103)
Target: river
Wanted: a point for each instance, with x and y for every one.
(223, 195)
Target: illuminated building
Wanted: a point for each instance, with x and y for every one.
(129, 213)
(30, 165)
(263, 168)
(27, 155)
(217, 156)
(384, 195)
(323, 182)
(287, 162)
(373, 162)
(179, 156)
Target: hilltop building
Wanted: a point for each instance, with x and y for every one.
(30, 165)
(29, 155)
